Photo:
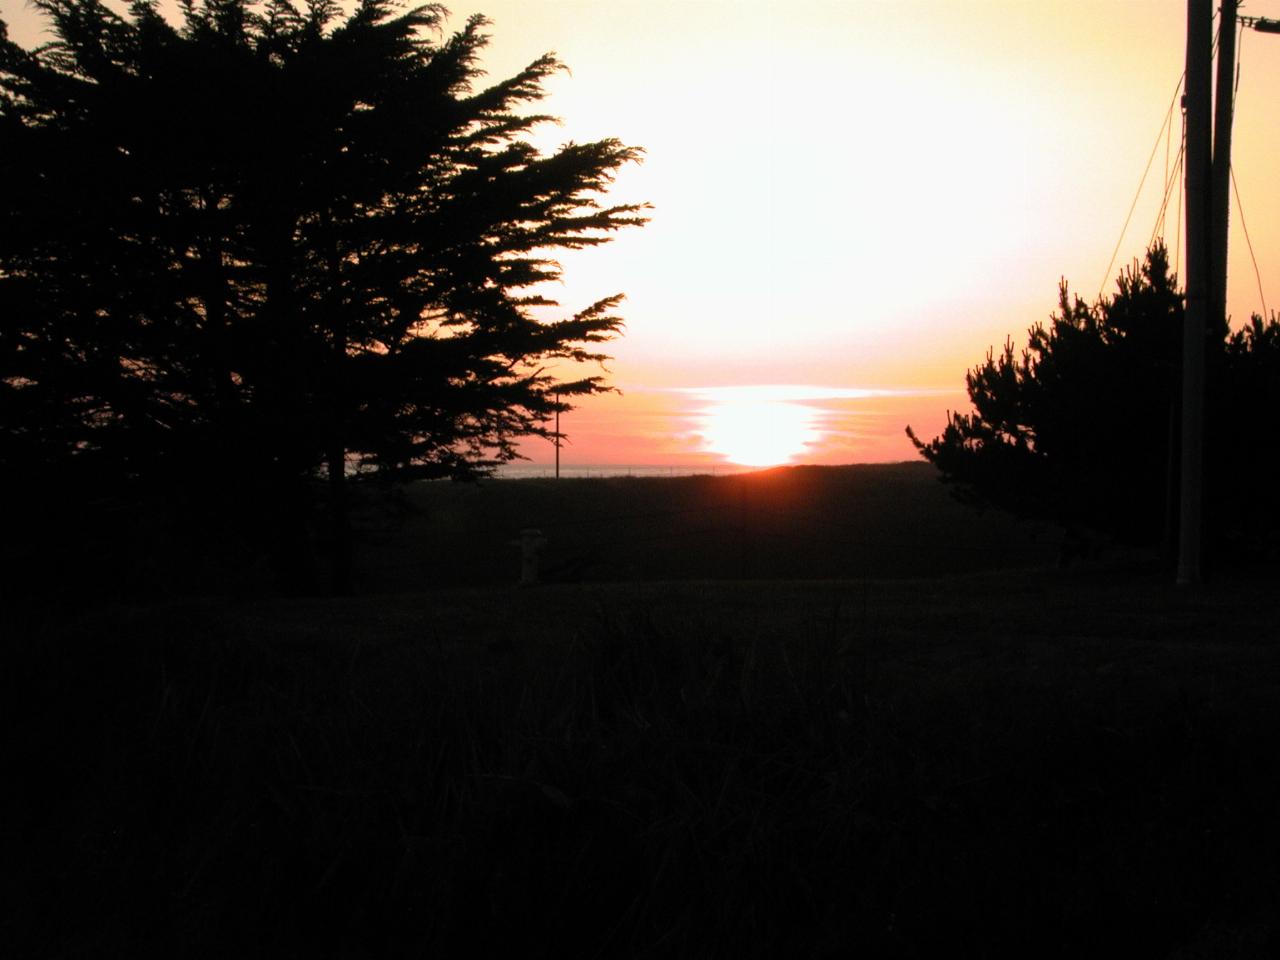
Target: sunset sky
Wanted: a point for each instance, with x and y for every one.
(853, 200)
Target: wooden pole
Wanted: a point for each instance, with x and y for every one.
(1199, 160)
(1220, 187)
(557, 436)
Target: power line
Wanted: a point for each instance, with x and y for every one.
(1171, 181)
(1168, 137)
(1249, 243)
(1137, 195)
(1169, 178)
(1177, 247)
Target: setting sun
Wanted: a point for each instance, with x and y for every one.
(767, 425)
(755, 432)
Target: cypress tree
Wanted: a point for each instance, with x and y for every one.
(274, 240)
(1079, 427)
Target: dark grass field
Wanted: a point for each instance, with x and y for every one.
(881, 521)
(959, 762)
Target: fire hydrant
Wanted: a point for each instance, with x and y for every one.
(531, 543)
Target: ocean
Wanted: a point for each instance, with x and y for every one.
(526, 471)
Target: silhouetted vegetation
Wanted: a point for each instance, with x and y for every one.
(1080, 426)
(275, 239)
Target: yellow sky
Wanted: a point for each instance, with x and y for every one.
(862, 194)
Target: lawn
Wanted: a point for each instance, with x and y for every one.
(963, 761)
(880, 520)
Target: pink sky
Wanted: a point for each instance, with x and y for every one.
(754, 425)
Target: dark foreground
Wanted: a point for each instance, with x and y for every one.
(878, 521)
(1034, 764)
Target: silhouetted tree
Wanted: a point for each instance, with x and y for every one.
(273, 239)
(1245, 412)
(1079, 427)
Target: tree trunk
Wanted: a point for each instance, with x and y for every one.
(336, 455)
(339, 522)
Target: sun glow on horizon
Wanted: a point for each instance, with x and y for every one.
(766, 425)
(759, 433)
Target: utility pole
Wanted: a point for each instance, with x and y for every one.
(1220, 187)
(1199, 159)
(1208, 185)
(557, 434)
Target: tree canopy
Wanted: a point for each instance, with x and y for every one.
(1079, 426)
(276, 225)
(273, 237)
